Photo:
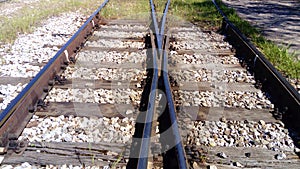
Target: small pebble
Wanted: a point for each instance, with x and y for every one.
(129, 112)
(212, 167)
(237, 164)
(195, 165)
(280, 156)
(248, 154)
(106, 167)
(222, 155)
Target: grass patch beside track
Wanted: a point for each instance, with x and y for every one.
(204, 14)
(24, 20)
(200, 12)
(126, 9)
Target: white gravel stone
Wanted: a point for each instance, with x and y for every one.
(212, 167)
(295, 83)
(8, 93)
(222, 155)
(271, 136)
(126, 27)
(65, 166)
(118, 96)
(7, 167)
(9, 8)
(192, 38)
(207, 75)
(117, 43)
(39, 46)
(119, 34)
(78, 129)
(111, 56)
(280, 156)
(247, 100)
(104, 73)
(199, 58)
(237, 164)
(195, 39)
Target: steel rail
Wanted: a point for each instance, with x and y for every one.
(283, 94)
(34, 89)
(164, 18)
(140, 153)
(140, 147)
(181, 160)
(155, 26)
(145, 141)
(175, 139)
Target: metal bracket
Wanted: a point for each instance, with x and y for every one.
(59, 79)
(41, 104)
(16, 146)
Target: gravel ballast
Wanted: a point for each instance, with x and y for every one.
(79, 129)
(30, 52)
(225, 71)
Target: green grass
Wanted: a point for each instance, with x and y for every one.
(200, 12)
(29, 16)
(24, 20)
(204, 14)
(126, 9)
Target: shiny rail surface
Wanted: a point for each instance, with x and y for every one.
(174, 156)
(14, 118)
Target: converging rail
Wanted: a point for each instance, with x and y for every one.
(174, 155)
(172, 70)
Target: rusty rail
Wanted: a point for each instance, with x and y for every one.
(17, 114)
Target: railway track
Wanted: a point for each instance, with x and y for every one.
(169, 95)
